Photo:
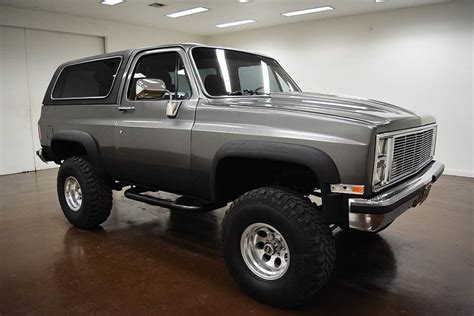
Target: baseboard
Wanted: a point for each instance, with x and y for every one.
(27, 171)
(459, 172)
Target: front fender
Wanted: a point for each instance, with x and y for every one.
(315, 159)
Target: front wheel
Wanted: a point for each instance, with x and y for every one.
(277, 246)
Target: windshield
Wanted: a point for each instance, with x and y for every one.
(228, 72)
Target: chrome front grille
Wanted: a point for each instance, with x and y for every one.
(411, 152)
(402, 153)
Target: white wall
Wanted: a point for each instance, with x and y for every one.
(27, 60)
(15, 125)
(420, 58)
(32, 45)
(472, 75)
(118, 35)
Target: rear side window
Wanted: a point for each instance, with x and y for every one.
(87, 80)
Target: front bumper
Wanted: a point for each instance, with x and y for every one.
(377, 212)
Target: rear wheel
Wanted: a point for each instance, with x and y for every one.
(85, 198)
(277, 246)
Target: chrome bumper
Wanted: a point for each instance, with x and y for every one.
(375, 213)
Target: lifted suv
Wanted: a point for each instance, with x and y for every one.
(218, 125)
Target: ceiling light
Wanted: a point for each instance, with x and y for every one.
(187, 12)
(379, 1)
(306, 11)
(235, 23)
(111, 2)
(243, 1)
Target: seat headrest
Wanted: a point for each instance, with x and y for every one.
(214, 85)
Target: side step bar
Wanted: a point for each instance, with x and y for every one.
(136, 194)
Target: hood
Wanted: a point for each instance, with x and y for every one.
(380, 114)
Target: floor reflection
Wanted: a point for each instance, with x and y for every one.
(147, 260)
(364, 260)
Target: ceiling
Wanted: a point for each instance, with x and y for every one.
(264, 12)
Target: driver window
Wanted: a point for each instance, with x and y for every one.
(168, 67)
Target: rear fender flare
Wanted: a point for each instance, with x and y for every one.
(83, 138)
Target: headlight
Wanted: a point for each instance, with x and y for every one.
(383, 150)
(382, 147)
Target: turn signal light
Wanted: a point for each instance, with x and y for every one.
(347, 188)
(358, 189)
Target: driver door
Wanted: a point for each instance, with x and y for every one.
(153, 149)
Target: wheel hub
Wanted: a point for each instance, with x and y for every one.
(73, 193)
(265, 251)
(269, 250)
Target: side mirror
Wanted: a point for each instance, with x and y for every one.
(150, 89)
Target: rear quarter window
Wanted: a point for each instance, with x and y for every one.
(87, 80)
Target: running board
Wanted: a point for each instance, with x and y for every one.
(135, 194)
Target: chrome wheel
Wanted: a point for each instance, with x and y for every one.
(265, 251)
(73, 193)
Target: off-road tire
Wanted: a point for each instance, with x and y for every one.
(310, 241)
(96, 193)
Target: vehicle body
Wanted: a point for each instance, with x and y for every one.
(189, 131)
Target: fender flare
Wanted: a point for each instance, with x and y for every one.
(85, 139)
(313, 158)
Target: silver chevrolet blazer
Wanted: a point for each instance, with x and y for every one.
(215, 126)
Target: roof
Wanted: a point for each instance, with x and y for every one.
(128, 52)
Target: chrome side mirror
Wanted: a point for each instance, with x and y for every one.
(150, 89)
(147, 89)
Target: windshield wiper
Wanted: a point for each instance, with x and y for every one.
(246, 92)
(242, 92)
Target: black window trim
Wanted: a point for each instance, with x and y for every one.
(86, 62)
(131, 71)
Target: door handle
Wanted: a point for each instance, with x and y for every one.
(126, 108)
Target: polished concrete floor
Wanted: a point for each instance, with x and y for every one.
(146, 260)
